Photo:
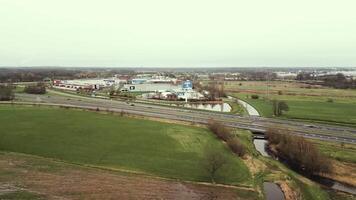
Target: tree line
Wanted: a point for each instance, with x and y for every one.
(339, 80)
(298, 152)
(38, 88)
(215, 90)
(6, 93)
(215, 160)
(11, 75)
(224, 133)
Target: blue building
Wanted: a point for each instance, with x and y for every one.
(137, 81)
(188, 85)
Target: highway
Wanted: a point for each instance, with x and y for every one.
(319, 131)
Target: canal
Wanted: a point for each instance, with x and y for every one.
(261, 146)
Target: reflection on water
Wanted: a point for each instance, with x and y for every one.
(335, 185)
(273, 191)
(344, 188)
(221, 107)
(260, 145)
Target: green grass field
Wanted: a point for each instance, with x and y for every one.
(338, 151)
(162, 149)
(338, 112)
(306, 104)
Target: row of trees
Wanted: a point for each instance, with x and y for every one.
(224, 133)
(338, 80)
(6, 93)
(214, 159)
(39, 88)
(298, 152)
(11, 75)
(215, 89)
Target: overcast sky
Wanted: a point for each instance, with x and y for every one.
(177, 33)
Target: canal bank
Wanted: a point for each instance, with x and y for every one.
(249, 109)
(261, 145)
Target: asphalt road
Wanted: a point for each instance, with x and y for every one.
(257, 124)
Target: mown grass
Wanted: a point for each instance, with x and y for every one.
(167, 150)
(19, 89)
(308, 109)
(316, 104)
(236, 108)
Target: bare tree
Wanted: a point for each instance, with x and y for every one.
(278, 107)
(214, 161)
(298, 152)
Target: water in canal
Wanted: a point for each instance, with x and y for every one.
(261, 144)
(220, 107)
(335, 185)
(273, 191)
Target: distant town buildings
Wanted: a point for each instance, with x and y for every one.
(154, 87)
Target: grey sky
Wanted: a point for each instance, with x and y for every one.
(177, 33)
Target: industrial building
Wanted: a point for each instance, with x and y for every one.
(94, 84)
(149, 87)
(156, 87)
(175, 92)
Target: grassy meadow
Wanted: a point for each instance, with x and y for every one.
(107, 141)
(305, 102)
(338, 151)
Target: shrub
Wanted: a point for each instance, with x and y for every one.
(35, 89)
(278, 107)
(122, 113)
(219, 130)
(255, 96)
(224, 134)
(330, 100)
(236, 147)
(6, 93)
(280, 92)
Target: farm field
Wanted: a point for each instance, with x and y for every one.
(316, 103)
(32, 177)
(114, 142)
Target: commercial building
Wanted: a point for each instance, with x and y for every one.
(149, 87)
(94, 84)
(174, 92)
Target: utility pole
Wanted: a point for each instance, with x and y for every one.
(267, 80)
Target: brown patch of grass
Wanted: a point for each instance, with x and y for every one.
(289, 193)
(254, 165)
(343, 172)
